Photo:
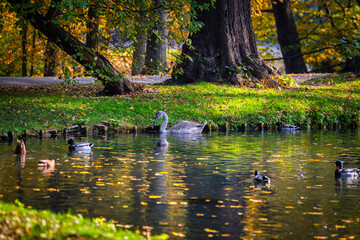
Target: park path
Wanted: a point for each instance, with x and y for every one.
(30, 81)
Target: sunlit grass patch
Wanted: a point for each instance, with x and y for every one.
(18, 222)
(57, 106)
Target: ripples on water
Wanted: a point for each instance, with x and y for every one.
(198, 187)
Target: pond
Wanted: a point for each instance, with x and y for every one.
(199, 187)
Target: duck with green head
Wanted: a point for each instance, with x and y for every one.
(345, 172)
(81, 146)
(261, 178)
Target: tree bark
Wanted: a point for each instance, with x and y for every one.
(50, 59)
(288, 37)
(24, 50)
(138, 58)
(32, 53)
(156, 46)
(224, 50)
(92, 40)
(114, 81)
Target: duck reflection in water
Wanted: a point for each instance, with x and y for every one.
(47, 167)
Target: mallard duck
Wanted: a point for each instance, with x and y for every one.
(181, 127)
(81, 146)
(345, 172)
(20, 147)
(287, 126)
(260, 178)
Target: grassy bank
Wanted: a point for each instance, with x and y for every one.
(18, 222)
(330, 102)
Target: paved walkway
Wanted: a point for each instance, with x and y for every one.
(30, 81)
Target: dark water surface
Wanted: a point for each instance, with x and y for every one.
(199, 187)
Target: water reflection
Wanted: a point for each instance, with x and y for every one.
(196, 187)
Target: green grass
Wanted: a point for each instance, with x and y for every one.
(317, 105)
(18, 222)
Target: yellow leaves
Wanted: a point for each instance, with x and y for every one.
(178, 234)
(210, 230)
(315, 213)
(154, 196)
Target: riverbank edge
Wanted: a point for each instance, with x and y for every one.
(104, 128)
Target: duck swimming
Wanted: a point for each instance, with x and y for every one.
(181, 127)
(260, 178)
(287, 126)
(345, 172)
(81, 146)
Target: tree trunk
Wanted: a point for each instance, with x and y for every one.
(92, 40)
(24, 50)
(114, 81)
(156, 46)
(288, 37)
(224, 50)
(32, 53)
(138, 58)
(50, 59)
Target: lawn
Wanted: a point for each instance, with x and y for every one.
(324, 103)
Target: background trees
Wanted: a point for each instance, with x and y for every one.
(121, 31)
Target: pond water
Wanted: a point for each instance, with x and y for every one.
(199, 187)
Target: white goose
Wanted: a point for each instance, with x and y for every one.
(181, 127)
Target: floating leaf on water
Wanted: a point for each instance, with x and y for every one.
(210, 230)
(178, 234)
(154, 196)
(255, 200)
(36, 189)
(320, 237)
(144, 203)
(266, 192)
(236, 206)
(200, 214)
(228, 189)
(289, 207)
(340, 226)
(315, 213)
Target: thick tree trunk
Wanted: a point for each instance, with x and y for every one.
(92, 40)
(50, 59)
(24, 50)
(138, 58)
(224, 50)
(32, 53)
(288, 37)
(156, 46)
(114, 81)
